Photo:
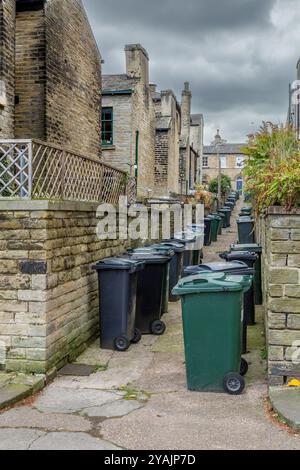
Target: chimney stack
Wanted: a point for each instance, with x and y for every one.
(137, 62)
(186, 111)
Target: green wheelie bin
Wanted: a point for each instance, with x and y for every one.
(257, 249)
(220, 221)
(212, 325)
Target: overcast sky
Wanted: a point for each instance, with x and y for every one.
(238, 55)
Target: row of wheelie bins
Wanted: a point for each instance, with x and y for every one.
(217, 221)
(135, 289)
(218, 305)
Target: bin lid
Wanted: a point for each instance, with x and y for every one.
(209, 282)
(245, 218)
(196, 228)
(236, 267)
(252, 247)
(185, 237)
(119, 264)
(239, 255)
(177, 247)
(149, 258)
(165, 251)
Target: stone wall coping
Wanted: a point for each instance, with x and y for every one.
(46, 205)
(278, 210)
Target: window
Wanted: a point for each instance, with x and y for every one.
(223, 162)
(107, 126)
(240, 162)
(205, 162)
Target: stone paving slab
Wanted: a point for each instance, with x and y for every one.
(70, 441)
(12, 393)
(286, 402)
(115, 409)
(26, 417)
(56, 399)
(18, 439)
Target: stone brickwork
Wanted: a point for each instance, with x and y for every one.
(48, 290)
(279, 234)
(56, 72)
(7, 67)
(168, 128)
(30, 75)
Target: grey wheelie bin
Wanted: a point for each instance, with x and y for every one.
(117, 279)
(250, 259)
(150, 292)
(235, 268)
(254, 248)
(212, 326)
(227, 212)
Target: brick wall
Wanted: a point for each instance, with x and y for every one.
(231, 170)
(279, 234)
(7, 53)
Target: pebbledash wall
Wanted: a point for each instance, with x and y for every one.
(48, 289)
(279, 233)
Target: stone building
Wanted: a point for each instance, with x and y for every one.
(49, 76)
(168, 129)
(191, 144)
(232, 162)
(128, 120)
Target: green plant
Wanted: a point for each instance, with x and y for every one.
(225, 185)
(272, 170)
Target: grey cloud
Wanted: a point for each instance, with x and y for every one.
(223, 47)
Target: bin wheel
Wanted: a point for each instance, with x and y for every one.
(158, 328)
(121, 344)
(234, 384)
(137, 336)
(244, 367)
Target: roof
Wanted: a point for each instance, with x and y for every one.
(118, 82)
(163, 123)
(196, 119)
(224, 149)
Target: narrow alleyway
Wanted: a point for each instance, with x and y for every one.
(139, 400)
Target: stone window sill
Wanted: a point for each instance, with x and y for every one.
(108, 147)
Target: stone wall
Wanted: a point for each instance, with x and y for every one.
(7, 68)
(161, 162)
(121, 153)
(279, 234)
(30, 75)
(73, 87)
(48, 290)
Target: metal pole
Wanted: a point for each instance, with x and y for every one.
(219, 182)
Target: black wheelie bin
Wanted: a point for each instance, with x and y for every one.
(117, 279)
(150, 292)
(250, 259)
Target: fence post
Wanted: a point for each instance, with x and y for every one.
(30, 175)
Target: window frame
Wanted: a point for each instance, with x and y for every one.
(104, 142)
(206, 158)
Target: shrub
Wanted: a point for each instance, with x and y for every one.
(225, 185)
(273, 169)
